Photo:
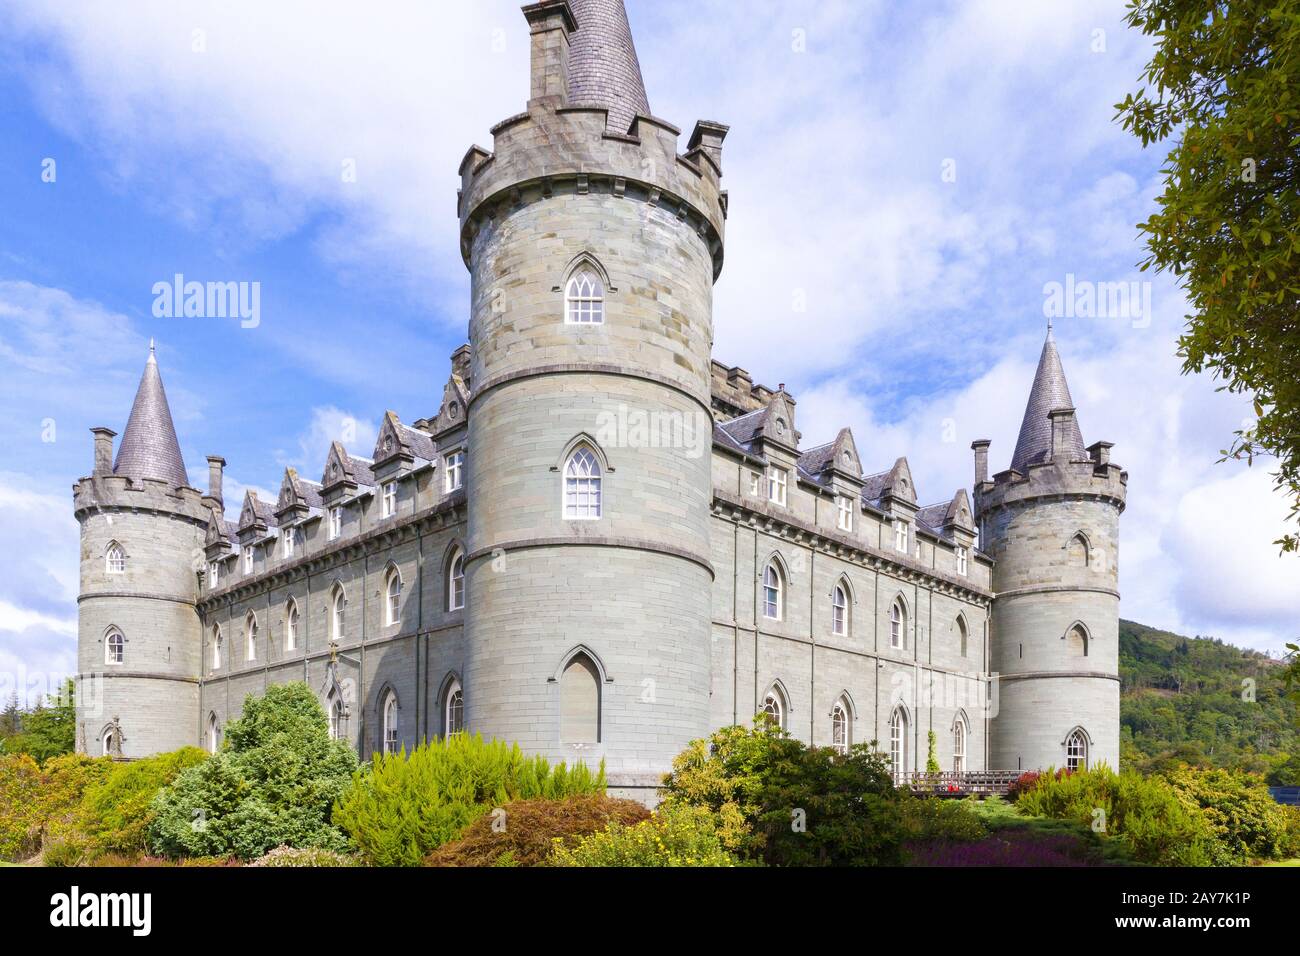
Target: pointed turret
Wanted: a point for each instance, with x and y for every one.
(1050, 393)
(149, 447)
(603, 67)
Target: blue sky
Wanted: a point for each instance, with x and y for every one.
(923, 292)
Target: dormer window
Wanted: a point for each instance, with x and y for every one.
(214, 575)
(776, 481)
(455, 477)
(584, 299)
(963, 560)
(844, 514)
(900, 536)
(336, 522)
(390, 499)
(290, 538)
(248, 559)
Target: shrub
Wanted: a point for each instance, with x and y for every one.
(1240, 811)
(64, 782)
(116, 811)
(1144, 812)
(403, 806)
(272, 784)
(289, 856)
(783, 803)
(20, 787)
(530, 829)
(937, 821)
(1290, 845)
(674, 836)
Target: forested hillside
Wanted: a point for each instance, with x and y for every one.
(1184, 700)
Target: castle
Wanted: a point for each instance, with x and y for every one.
(605, 543)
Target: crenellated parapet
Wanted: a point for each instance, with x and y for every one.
(99, 493)
(555, 148)
(1093, 478)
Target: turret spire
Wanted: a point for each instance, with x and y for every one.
(149, 447)
(1049, 393)
(603, 67)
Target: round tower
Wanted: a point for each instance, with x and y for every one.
(142, 528)
(592, 247)
(1051, 523)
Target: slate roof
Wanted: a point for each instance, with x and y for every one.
(603, 67)
(422, 445)
(149, 447)
(742, 430)
(1049, 392)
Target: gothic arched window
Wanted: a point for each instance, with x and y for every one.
(959, 745)
(580, 701)
(115, 559)
(456, 581)
(840, 731)
(393, 604)
(775, 709)
(898, 755)
(453, 709)
(898, 625)
(336, 615)
(390, 723)
(1076, 641)
(251, 634)
(584, 298)
(1076, 750)
(217, 641)
(291, 619)
(213, 734)
(840, 610)
(773, 592)
(114, 647)
(962, 635)
(582, 491)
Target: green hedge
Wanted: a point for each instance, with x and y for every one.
(403, 806)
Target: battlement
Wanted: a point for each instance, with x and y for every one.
(1061, 478)
(99, 492)
(558, 148)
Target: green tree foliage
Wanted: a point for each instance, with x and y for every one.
(931, 756)
(778, 801)
(1246, 821)
(46, 730)
(20, 789)
(116, 811)
(273, 784)
(1144, 812)
(677, 835)
(402, 806)
(1224, 82)
(1202, 702)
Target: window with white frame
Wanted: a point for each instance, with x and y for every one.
(1076, 751)
(840, 727)
(251, 634)
(109, 742)
(959, 746)
(336, 615)
(393, 605)
(963, 560)
(214, 575)
(584, 299)
(248, 559)
(214, 734)
(900, 536)
(840, 610)
(114, 647)
(844, 513)
(582, 486)
(390, 723)
(455, 470)
(290, 541)
(336, 522)
(291, 622)
(774, 709)
(898, 755)
(453, 710)
(390, 499)
(776, 482)
(456, 582)
(336, 717)
(218, 642)
(773, 592)
(897, 625)
(115, 559)
(755, 483)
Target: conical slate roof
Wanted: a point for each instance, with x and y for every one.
(1049, 393)
(149, 447)
(603, 67)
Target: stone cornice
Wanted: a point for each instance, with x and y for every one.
(633, 544)
(1040, 675)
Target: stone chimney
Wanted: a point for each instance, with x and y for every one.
(1062, 428)
(981, 449)
(216, 469)
(550, 24)
(103, 451)
(460, 364)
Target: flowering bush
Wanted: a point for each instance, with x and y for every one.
(675, 836)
